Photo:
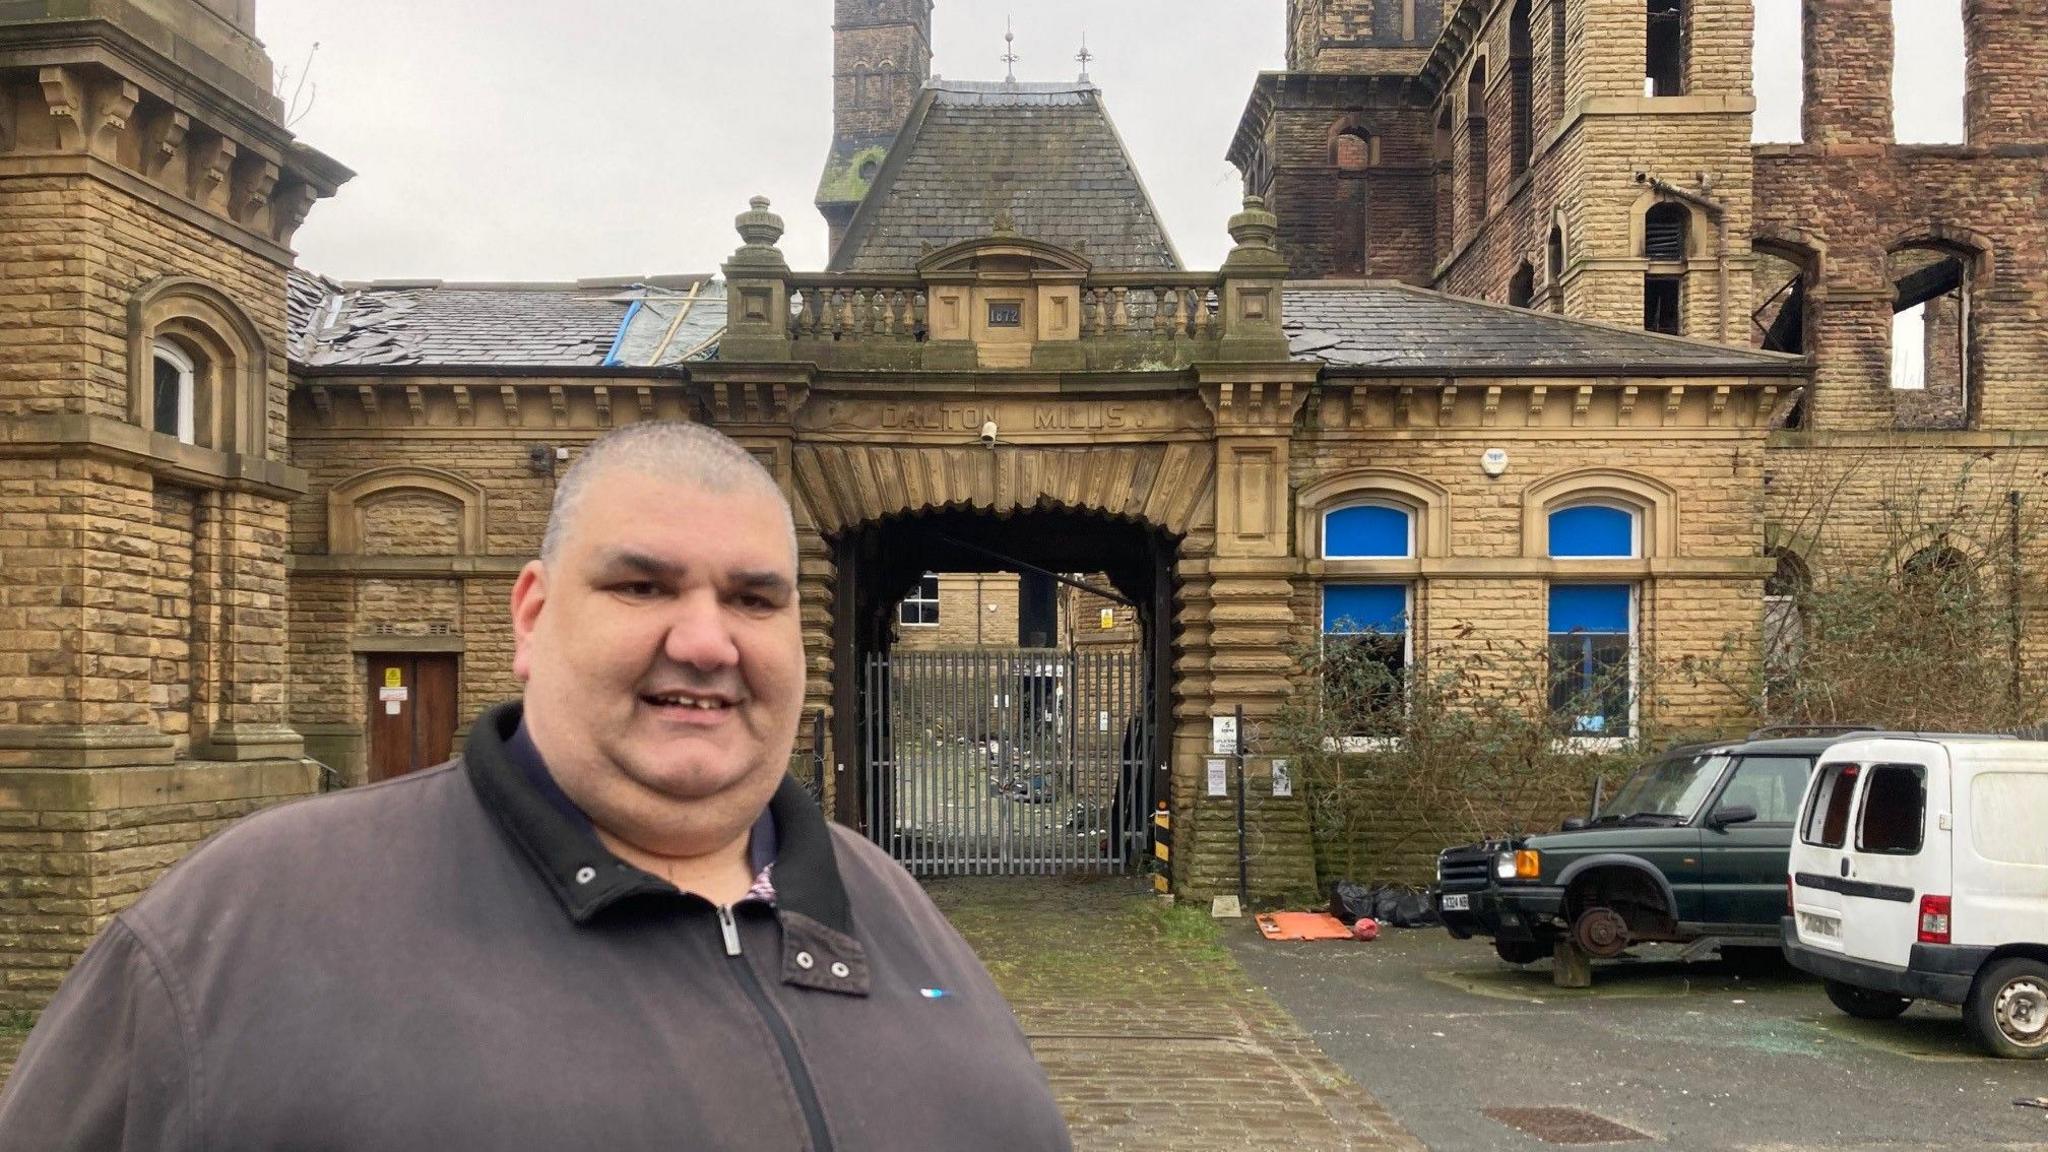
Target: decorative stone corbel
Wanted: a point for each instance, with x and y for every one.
(255, 179)
(213, 158)
(115, 102)
(510, 397)
(289, 209)
(161, 139)
(1491, 411)
(1628, 403)
(558, 403)
(465, 408)
(1404, 408)
(366, 395)
(1447, 405)
(1674, 398)
(416, 403)
(645, 394)
(1537, 396)
(603, 397)
(1581, 404)
(1720, 405)
(323, 404)
(65, 97)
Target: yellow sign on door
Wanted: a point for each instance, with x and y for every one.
(1108, 619)
(394, 678)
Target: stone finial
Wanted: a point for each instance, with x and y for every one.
(759, 227)
(1254, 227)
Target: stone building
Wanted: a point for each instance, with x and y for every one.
(1522, 340)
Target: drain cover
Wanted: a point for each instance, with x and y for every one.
(1565, 1125)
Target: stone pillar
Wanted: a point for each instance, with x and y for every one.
(1253, 397)
(757, 290)
(1848, 55)
(2007, 71)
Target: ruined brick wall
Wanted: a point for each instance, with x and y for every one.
(890, 41)
(1378, 220)
(1361, 35)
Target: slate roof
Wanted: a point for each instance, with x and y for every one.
(432, 324)
(1044, 159)
(1398, 329)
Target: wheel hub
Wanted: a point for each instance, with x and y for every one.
(2022, 1011)
(1601, 932)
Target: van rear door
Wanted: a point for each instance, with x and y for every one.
(1820, 852)
(1891, 862)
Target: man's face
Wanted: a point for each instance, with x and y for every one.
(663, 659)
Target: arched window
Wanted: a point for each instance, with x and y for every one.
(1354, 150)
(1939, 571)
(1592, 624)
(1667, 240)
(1522, 285)
(175, 383)
(1553, 254)
(1595, 532)
(1520, 53)
(1367, 641)
(1475, 143)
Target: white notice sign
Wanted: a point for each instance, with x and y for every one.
(1283, 784)
(391, 707)
(1219, 780)
(393, 695)
(1222, 735)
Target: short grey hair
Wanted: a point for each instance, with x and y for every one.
(667, 449)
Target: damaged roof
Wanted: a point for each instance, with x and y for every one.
(1399, 329)
(977, 159)
(432, 324)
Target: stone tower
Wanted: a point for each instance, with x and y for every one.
(881, 57)
(149, 192)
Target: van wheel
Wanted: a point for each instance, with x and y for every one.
(1864, 1004)
(2007, 1012)
(1522, 951)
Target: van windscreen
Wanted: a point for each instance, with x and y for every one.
(1827, 817)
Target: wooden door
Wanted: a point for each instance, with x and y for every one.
(412, 712)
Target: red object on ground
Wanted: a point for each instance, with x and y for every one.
(1367, 928)
(1302, 926)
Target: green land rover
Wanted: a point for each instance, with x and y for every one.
(1691, 849)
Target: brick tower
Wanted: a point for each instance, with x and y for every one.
(148, 196)
(881, 57)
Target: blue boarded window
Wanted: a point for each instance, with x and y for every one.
(1368, 532)
(1365, 657)
(1593, 532)
(1354, 608)
(1592, 657)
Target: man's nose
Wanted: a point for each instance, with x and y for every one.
(700, 634)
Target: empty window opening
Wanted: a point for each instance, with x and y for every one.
(1365, 656)
(1894, 809)
(175, 381)
(1355, 151)
(1779, 322)
(1666, 232)
(1475, 143)
(1661, 299)
(1939, 576)
(1777, 72)
(1827, 817)
(1553, 253)
(1519, 62)
(1928, 72)
(1522, 286)
(1931, 336)
(1664, 55)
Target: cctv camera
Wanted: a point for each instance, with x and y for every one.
(988, 434)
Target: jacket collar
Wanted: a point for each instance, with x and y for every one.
(557, 839)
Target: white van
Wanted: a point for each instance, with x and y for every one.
(1920, 871)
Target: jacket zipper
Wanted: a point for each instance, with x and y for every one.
(806, 1092)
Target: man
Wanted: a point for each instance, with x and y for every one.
(614, 923)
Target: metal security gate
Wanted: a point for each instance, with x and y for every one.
(1015, 760)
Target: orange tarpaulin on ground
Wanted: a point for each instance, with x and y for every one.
(1302, 926)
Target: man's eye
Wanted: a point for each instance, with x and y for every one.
(639, 589)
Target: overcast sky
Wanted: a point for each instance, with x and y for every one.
(530, 139)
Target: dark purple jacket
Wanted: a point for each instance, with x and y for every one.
(450, 961)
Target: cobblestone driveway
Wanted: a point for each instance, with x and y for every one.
(1151, 1033)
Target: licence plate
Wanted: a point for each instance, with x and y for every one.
(1824, 927)
(1457, 903)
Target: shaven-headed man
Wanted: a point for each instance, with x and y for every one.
(614, 922)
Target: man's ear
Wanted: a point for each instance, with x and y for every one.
(529, 596)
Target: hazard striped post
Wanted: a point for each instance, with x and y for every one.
(1162, 848)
